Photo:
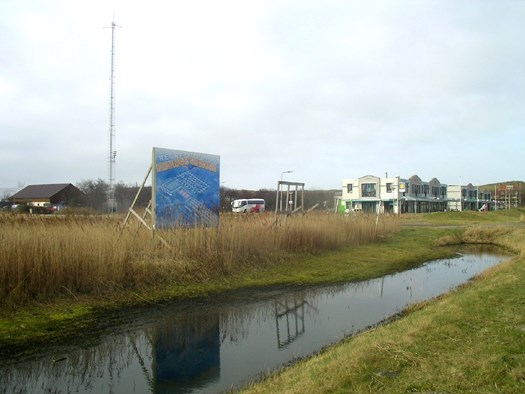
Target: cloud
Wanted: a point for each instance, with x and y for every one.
(331, 91)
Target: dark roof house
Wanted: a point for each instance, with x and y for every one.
(57, 193)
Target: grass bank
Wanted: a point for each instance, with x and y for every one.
(467, 218)
(470, 340)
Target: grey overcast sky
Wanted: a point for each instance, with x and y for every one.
(328, 89)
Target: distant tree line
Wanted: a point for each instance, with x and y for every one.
(95, 196)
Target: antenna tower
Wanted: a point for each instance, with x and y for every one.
(112, 152)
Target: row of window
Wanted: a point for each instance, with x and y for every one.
(369, 190)
(474, 194)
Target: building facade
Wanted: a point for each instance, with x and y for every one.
(508, 195)
(408, 195)
(46, 194)
(468, 198)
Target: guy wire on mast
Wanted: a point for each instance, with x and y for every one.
(112, 152)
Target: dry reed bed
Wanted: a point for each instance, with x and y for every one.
(43, 257)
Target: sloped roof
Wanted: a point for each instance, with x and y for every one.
(40, 191)
(415, 179)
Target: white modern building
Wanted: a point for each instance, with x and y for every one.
(394, 194)
(408, 195)
(468, 198)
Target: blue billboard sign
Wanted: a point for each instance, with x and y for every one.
(185, 188)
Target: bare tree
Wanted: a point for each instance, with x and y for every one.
(96, 193)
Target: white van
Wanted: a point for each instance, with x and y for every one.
(246, 205)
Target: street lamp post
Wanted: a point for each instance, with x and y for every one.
(280, 191)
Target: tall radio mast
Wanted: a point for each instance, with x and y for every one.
(112, 152)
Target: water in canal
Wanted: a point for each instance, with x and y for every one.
(222, 342)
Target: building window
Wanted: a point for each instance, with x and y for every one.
(349, 188)
(368, 190)
(388, 187)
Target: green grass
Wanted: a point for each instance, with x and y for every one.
(467, 217)
(406, 249)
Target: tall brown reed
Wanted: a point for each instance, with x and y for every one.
(44, 257)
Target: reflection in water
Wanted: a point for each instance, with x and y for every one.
(187, 351)
(111, 365)
(289, 320)
(219, 343)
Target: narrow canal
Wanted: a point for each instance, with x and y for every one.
(222, 342)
